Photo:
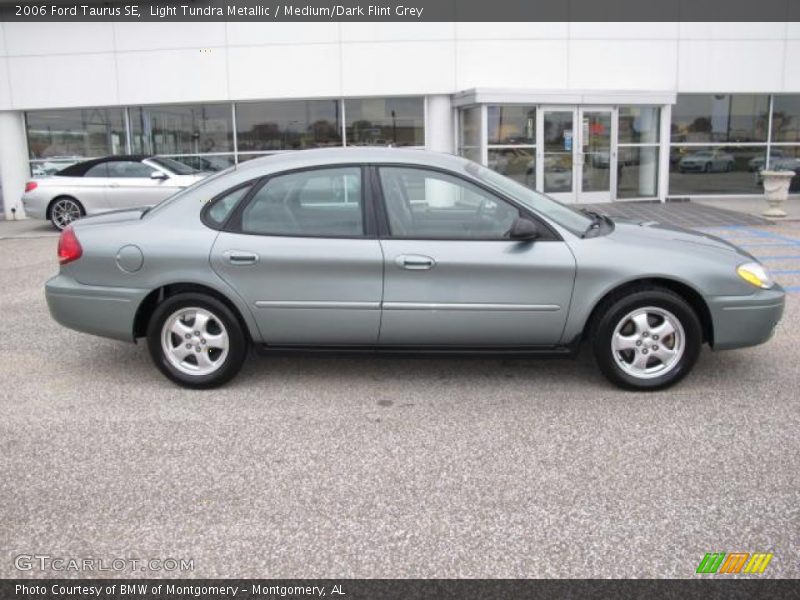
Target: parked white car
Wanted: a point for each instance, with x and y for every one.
(706, 161)
(104, 184)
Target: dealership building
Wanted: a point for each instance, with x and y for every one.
(586, 112)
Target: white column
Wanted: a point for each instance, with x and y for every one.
(439, 136)
(14, 170)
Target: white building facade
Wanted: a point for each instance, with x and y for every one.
(587, 112)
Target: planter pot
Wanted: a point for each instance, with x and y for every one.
(776, 191)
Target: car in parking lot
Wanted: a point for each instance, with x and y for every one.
(404, 251)
(94, 186)
(707, 161)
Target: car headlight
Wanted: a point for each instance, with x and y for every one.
(755, 274)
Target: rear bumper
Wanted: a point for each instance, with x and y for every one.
(741, 321)
(34, 206)
(104, 311)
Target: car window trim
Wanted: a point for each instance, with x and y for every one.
(234, 221)
(204, 218)
(553, 235)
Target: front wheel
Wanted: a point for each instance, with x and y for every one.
(196, 340)
(647, 340)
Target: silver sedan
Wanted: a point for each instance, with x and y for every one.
(402, 251)
(94, 186)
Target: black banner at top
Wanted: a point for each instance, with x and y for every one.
(401, 10)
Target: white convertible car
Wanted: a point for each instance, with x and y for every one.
(104, 184)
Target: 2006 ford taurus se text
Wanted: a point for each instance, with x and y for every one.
(402, 250)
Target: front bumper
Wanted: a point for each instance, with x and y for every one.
(742, 321)
(104, 311)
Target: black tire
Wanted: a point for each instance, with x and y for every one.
(615, 310)
(54, 211)
(237, 340)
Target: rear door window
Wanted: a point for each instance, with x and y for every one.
(316, 203)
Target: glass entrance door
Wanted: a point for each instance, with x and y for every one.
(596, 156)
(557, 155)
(576, 153)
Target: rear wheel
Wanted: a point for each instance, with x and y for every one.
(64, 211)
(196, 340)
(646, 340)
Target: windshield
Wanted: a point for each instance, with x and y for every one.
(565, 216)
(186, 190)
(174, 166)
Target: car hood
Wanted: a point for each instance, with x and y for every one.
(650, 231)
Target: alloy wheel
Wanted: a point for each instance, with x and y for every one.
(195, 341)
(648, 342)
(64, 212)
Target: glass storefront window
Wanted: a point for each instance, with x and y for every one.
(637, 172)
(703, 118)
(786, 118)
(512, 125)
(210, 163)
(63, 137)
(638, 124)
(385, 121)
(182, 129)
(288, 125)
(469, 133)
(714, 169)
(517, 163)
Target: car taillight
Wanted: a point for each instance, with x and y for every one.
(30, 186)
(69, 248)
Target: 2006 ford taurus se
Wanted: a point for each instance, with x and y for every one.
(402, 250)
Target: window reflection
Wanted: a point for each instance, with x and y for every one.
(288, 125)
(638, 124)
(517, 163)
(385, 122)
(714, 169)
(637, 172)
(470, 130)
(786, 118)
(66, 136)
(182, 129)
(720, 118)
(511, 124)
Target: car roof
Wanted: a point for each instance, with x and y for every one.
(299, 159)
(79, 169)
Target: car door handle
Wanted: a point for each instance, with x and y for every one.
(414, 262)
(113, 185)
(236, 257)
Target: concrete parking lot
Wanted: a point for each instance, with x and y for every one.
(319, 466)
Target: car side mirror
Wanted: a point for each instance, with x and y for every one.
(523, 229)
(159, 175)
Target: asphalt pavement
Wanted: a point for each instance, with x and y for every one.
(320, 466)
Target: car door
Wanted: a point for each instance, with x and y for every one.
(301, 252)
(131, 184)
(90, 189)
(453, 278)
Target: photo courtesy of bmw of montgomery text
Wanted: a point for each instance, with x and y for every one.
(402, 250)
